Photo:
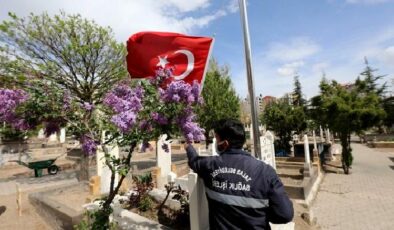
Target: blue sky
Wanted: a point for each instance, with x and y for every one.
(288, 37)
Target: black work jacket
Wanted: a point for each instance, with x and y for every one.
(242, 192)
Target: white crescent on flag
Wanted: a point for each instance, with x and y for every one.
(190, 64)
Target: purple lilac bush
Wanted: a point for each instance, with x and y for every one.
(9, 101)
(161, 104)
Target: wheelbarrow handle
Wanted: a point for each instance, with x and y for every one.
(20, 163)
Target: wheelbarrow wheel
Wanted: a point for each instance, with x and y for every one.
(53, 169)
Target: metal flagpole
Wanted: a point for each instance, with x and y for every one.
(248, 59)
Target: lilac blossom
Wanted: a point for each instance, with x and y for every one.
(9, 101)
(159, 118)
(89, 146)
(146, 126)
(146, 145)
(87, 106)
(126, 103)
(165, 147)
(124, 120)
(180, 91)
(190, 129)
(162, 75)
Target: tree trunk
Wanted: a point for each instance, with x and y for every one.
(207, 139)
(347, 157)
(84, 163)
(102, 217)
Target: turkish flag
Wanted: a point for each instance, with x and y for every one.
(187, 55)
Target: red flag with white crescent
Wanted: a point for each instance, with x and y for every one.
(187, 55)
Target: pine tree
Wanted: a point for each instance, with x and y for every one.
(297, 93)
(220, 98)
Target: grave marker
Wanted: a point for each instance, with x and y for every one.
(328, 139)
(41, 134)
(321, 134)
(307, 165)
(102, 169)
(163, 160)
(63, 135)
(268, 149)
(214, 153)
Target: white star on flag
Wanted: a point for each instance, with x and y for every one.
(162, 61)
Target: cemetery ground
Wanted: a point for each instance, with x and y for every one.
(71, 193)
(361, 200)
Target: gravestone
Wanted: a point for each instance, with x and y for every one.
(198, 204)
(314, 141)
(321, 135)
(63, 135)
(163, 160)
(213, 147)
(328, 139)
(103, 170)
(307, 165)
(53, 138)
(268, 149)
(41, 134)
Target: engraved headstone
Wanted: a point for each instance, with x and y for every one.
(163, 159)
(268, 149)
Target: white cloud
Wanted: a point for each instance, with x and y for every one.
(320, 67)
(189, 5)
(388, 55)
(233, 6)
(295, 49)
(126, 17)
(367, 1)
(290, 69)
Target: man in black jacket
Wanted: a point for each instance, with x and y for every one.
(242, 192)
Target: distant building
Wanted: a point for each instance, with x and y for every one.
(261, 104)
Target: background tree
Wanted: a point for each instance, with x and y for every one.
(220, 98)
(61, 61)
(368, 81)
(346, 110)
(298, 99)
(284, 119)
(66, 50)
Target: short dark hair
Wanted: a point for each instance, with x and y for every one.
(231, 130)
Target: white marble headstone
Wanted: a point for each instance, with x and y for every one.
(163, 160)
(63, 135)
(268, 149)
(306, 151)
(103, 171)
(321, 134)
(328, 139)
(213, 147)
(314, 140)
(41, 134)
(53, 138)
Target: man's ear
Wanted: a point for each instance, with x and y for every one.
(225, 144)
